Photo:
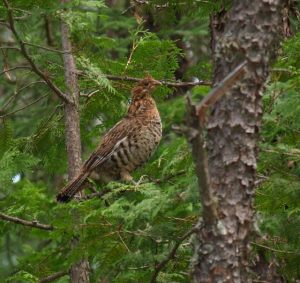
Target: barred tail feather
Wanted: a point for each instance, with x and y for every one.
(68, 192)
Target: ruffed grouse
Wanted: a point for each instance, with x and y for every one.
(124, 147)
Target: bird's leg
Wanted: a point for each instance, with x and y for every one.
(125, 176)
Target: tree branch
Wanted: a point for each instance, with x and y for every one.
(47, 48)
(53, 277)
(10, 47)
(34, 224)
(164, 82)
(12, 98)
(48, 30)
(34, 67)
(161, 265)
(24, 107)
(194, 135)
(217, 92)
(15, 68)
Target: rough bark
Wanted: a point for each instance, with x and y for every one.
(79, 273)
(250, 33)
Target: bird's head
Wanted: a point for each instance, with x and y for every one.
(144, 88)
(141, 100)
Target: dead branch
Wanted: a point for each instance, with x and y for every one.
(217, 92)
(34, 224)
(12, 98)
(10, 47)
(15, 68)
(24, 107)
(34, 67)
(46, 48)
(48, 30)
(194, 134)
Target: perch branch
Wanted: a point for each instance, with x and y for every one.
(164, 82)
(23, 50)
(34, 224)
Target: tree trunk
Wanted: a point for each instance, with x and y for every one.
(250, 32)
(79, 272)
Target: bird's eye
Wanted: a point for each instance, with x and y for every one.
(129, 100)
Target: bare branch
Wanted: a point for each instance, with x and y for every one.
(34, 67)
(47, 48)
(275, 250)
(48, 29)
(34, 224)
(24, 107)
(218, 91)
(161, 265)
(194, 134)
(12, 98)
(15, 68)
(10, 47)
(53, 277)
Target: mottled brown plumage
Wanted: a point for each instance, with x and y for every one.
(126, 146)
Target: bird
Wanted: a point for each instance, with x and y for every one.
(126, 146)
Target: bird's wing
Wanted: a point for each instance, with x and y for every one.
(109, 144)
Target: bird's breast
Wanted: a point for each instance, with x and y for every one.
(136, 148)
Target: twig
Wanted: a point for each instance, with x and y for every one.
(217, 92)
(94, 195)
(24, 107)
(34, 67)
(274, 250)
(18, 92)
(48, 29)
(89, 95)
(34, 224)
(47, 48)
(161, 265)
(10, 47)
(53, 277)
(15, 68)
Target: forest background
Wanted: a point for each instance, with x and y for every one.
(125, 235)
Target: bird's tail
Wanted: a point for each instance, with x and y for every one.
(73, 187)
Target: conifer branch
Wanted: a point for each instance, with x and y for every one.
(176, 84)
(34, 67)
(34, 224)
